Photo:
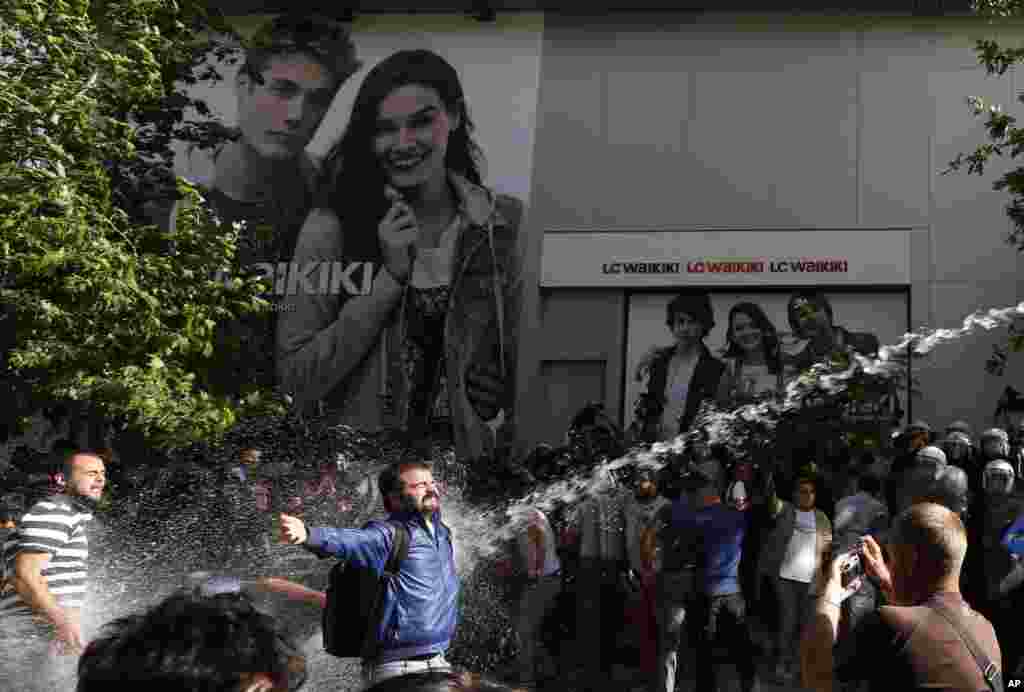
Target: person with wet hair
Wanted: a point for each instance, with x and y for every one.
(917, 641)
(420, 611)
(44, 607)
(682, 376)
(432, 332)
(191, 642)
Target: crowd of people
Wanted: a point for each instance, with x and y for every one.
(710, 561)
(710, 553)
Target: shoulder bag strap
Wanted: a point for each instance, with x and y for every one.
(399, 551)
(993, 676)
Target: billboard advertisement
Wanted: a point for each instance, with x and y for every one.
(381, 173)
(748, 345)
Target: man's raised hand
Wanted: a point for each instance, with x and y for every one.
(293, 530)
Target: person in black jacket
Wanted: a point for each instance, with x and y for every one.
(684, 375)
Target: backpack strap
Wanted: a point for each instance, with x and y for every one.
(993, 676)
(399, 551)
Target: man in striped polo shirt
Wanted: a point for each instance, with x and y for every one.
(46, 558)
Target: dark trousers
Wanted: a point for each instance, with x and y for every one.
(599, 617)
(721, 622)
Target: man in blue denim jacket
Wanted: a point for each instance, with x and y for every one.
(420, 609)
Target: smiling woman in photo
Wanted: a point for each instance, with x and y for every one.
(432, 332)
(753, 367)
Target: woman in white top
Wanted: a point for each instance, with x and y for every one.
(753, 365)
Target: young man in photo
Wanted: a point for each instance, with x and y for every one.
(684, 375)
(264, 178)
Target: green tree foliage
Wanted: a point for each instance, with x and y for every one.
(1004, 140)
(99, 306)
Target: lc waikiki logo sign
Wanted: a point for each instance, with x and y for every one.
(731, 265)
(314, 278)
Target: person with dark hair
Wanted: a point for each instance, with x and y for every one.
(193, 643)
(47, 565)
(923, 638)
(264, 180)
(432, 333)
(291, 72)
(753, 362)
(800, 536)
(717, 613)
(420, 610)
(811, 318)
(684, 375)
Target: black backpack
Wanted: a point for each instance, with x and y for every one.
(355, 597)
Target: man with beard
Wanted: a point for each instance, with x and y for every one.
(420, 609)
(47, 562)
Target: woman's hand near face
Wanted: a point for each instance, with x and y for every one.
(398, 231)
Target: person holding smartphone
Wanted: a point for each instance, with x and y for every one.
(430, 332)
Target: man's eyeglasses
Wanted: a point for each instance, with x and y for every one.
(421, 485)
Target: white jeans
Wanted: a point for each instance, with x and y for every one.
(372, 674)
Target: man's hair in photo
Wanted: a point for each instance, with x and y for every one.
(696, 304)
(936, 533)
(357, 172)
(812, 296)
(326, 40)
(769, 334)
(8, 514)
(441, 682)
(389, 482)
(190, 643)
